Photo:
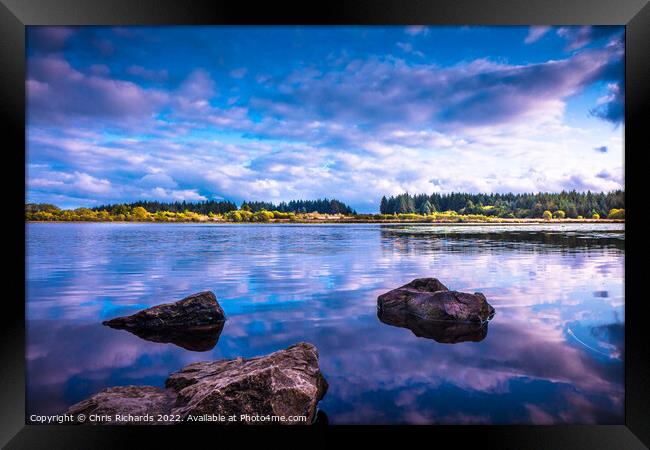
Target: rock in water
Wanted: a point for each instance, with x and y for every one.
(195, 339)
(444, 332)
(285, 383)
(198, 311)
(429, 299)
(282, 384)
(138, 401)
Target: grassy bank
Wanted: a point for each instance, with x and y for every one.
(139, 214)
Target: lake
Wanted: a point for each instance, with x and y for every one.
(553, 353)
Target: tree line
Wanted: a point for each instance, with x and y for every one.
(571, 204)
(205, 207)
(188, 211)
(322, 206)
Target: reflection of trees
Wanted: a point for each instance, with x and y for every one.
(468, 241)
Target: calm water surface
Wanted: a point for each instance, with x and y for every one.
(552, 354)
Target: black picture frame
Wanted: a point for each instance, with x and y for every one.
(634, 14)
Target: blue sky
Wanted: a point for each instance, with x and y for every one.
(354, 113)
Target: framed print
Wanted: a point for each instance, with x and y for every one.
(378, 217)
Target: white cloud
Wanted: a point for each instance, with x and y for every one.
(158, 179)
(87, 183)
(415, 30)
(535, 33)
(190, 195)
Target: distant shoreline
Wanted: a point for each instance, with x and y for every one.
(360, 221)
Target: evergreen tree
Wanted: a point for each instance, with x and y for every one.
(427, 208)
(572, 203)
(383, 206)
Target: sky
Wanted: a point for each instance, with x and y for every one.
(119, 114)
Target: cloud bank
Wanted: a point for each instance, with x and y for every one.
(378, 115)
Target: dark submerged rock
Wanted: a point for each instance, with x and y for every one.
(197, 312)
(196, 339)
(444, 332)
(429, 299)
(284, 383)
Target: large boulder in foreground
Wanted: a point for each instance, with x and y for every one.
(282, 384)
(429, 300)
(194, 322)
(138, 401)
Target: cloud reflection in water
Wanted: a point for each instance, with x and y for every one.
(281, 285)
